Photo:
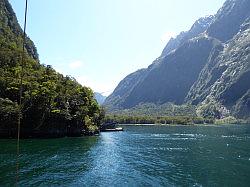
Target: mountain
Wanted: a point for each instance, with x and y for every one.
(207, 66)
(123, 90)
(119, 99)
(225, 78)
(200, 26)
(171, 81)
(11, 33)
(229, 19)
(52, 105)
(99, 98)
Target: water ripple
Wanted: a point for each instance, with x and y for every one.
(139, 156)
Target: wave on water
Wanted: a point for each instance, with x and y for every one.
(175, 136)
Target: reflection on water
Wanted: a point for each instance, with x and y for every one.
(139, 156)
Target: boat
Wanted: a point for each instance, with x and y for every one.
(113, 129)
(110, 127)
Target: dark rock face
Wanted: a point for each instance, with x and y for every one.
(171, 80)
(207, 64)
(242, 106)
(226, 77)
(229, 19)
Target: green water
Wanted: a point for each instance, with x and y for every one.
(139, 156)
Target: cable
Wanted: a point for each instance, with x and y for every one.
(21, 94)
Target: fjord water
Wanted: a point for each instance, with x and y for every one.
(139, 156)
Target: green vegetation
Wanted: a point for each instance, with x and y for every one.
(151, 109)
(50, 100)
(231, 120)
(150, 113)
(170, 113)
(52, 105)
(181, 120)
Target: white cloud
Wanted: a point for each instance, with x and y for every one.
(166, 36)
(75, 64)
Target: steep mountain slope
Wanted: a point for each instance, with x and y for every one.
(171, 79)
(117, 99)
(229, 18)
(207, 66)
(225, 79)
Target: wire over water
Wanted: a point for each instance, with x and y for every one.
(21, 94)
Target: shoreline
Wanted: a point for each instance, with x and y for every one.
(56, 136)
(188, 125)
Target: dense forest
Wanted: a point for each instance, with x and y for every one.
(168, 120)
(168, 113)
(156, 110)
(52, 104)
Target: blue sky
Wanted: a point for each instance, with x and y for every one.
(99, 42)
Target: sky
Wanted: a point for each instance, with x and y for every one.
(99, 42)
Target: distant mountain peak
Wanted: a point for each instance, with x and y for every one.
(203, 22)
(99, 97)
(197, 28)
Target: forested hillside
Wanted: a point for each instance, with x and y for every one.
(52, 104)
